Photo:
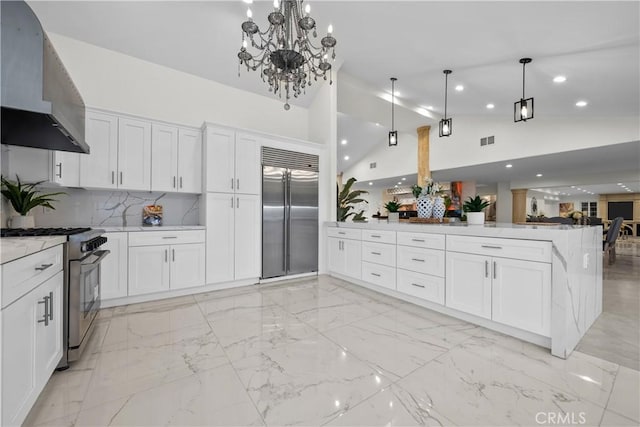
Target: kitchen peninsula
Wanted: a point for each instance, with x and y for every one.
(542, 284)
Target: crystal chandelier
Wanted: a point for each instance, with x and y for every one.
(285, 55)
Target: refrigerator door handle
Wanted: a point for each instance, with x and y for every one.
(285, 229)
(288, 208)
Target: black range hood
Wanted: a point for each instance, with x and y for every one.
(41, 107)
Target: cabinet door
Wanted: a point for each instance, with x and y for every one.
(220, 238)
(30, 164)
(164, 158)
(336, 256)
(134, 154)
(113, 270)
(19, 384)
(468, 283)
(220, 146)
(247, 162)
(522, 294)
(187, 265)
(99, 168)
(148, 269)
(353, 258)
(247, 237)
(65, 168)
(189, 161)
(49, 337)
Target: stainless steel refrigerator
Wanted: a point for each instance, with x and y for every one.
(289, 212)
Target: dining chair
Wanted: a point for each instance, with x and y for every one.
(609, 243)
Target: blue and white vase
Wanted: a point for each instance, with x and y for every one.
(425, 206)
(439, 208)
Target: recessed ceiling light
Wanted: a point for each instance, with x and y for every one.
(343, 142)
(573, 186)
(346, 157)
(538, 175)
(559, 79)
(395, 186)
(579, 189)
(404, 179)
(581, 104)
(400, 183)
(508, 166)
(491, 106)
(371, 183)
(377, 124)
(248, 1)
(429, 107)
(459, 88)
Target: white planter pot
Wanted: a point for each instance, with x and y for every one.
(475, 218)
(394, 216)
(20, 221)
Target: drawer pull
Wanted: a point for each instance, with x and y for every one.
(43, 267)
(491, 247)
(376, 253)
(417, 286)
(170, 237)
(417, 259)
(342, 233)
(495, 267)
(377, 236)
(375, 274)
(418, 240)
(486, 269)
(45, 318)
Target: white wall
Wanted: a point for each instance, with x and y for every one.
(118, 82)
(504, 202)
(391, 161)
(533, 138)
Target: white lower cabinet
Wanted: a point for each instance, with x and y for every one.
(113, 270)
(521, 294)
(148, 269)
(468, 283)
(424, 286)
(380, 275)
(31, 347)
(187, 266)
(345, 257)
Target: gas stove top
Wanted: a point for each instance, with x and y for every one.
(29, 232)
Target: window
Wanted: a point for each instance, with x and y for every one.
(591, 208)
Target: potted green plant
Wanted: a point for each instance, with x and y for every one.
(393, 207)
(347, 199)
(24, 197)
(473, 208)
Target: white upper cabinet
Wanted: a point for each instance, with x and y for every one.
(233, 162)
(99, 168)
(189, 161)
(36, 164)
(65, 168)
(134, 154)
(164, 158)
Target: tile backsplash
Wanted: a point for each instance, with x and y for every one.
(115, 208)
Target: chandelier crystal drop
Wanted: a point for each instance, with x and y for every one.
(284, 53)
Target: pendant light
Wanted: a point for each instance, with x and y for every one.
(393, 133)
(523, 109)
(446, 124)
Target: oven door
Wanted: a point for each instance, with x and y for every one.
(84, 295)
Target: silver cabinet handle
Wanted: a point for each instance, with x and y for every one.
(180, 182)
(376, 236)
(166, 255)
(113, 177)
(238, 184)
(417, 286)
(417, 260)
(174, 182)
(376, 253)
(491, 247)
(232, 183)
(43, 267)
(494, 269)
(170, 237)
(231, 202)
(237, 202)
(173, 255)
(486, 269)
(418, 240)
(375, 274)
(59, 166)
(340, 245)
(341, 233)
(51, 305)
(45, 318)
(121, 178)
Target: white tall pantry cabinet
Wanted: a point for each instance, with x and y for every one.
(232, 209)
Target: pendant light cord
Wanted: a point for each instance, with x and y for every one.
(446, 79)
(393, 101)
(523, 65)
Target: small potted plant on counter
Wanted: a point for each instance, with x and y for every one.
(473, 208)
(393, 207)
(24, 197)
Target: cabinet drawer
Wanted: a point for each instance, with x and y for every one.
(24, 274)
(427, 261)
(380, 275)
(421, 240)
(151, 238)
(529, 250)
(379, 253)
(345, 233)
(381, 236)
(422, 286)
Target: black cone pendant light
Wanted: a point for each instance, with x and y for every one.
(446, 124)
(523, 109)
(393, 133)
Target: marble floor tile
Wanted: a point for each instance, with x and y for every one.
(391, 407)
(473, 391)
(231, 306)
(611, 419)
(211, 398)
(156, 306)
(306, 383)
(625, 397)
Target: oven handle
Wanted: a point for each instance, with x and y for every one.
(85, 268)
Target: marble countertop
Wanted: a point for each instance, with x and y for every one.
(134, 228)
(12, 248)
